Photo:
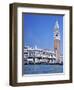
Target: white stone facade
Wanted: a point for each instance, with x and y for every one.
(36, 55)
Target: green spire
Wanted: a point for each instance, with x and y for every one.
(56, 25)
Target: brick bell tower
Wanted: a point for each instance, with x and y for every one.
(57, 42)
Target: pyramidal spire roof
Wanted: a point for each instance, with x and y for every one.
(56, 25)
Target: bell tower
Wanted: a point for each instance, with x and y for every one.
(57, 42)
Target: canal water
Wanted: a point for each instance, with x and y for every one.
(42, 69)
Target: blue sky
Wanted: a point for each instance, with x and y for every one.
(39, 30)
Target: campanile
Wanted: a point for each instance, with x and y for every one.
(57, 41)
